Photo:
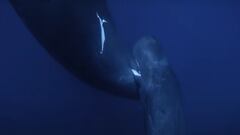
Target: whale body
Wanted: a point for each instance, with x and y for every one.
(81, 36)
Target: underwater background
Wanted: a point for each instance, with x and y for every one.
(201, 38)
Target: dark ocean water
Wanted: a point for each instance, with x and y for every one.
(202, 39)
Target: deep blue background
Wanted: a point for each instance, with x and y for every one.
(202, 39)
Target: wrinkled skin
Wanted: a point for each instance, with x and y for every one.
(80, 35)
(159, 90)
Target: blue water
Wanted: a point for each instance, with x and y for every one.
(202, 39)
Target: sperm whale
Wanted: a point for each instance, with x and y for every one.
(81, 36)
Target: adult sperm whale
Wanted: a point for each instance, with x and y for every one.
(81, 36)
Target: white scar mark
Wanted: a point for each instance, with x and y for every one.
(136, 73)
(103, 37)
